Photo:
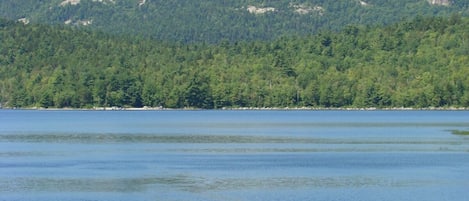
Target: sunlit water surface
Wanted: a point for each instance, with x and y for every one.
(233, 155)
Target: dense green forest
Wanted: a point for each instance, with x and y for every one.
(213, 21)
(417, 63)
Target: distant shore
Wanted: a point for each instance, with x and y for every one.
(248, 108)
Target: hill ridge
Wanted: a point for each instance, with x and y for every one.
(215, 21)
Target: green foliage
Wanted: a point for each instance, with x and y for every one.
(418, 63)
(213, 21)
(460, 132)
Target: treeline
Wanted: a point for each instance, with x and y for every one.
(418, 63)
(213, 21)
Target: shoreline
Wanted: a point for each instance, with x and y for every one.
(244, 109)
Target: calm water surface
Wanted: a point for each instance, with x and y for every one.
(233, 155)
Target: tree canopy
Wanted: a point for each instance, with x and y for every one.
(415, 63)
(213, 21)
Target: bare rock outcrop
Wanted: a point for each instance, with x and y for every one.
(440, 2)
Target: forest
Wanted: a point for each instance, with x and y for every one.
(212, 21)
(416, 63)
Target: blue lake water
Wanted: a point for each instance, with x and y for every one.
(233, 155)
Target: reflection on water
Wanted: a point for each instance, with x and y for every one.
(139, 138)
(246, 144)
(226, 155)
(81, 185)
(194, 184)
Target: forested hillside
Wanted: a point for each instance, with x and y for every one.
(213, 21)
(418, 63)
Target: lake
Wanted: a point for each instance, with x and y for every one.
(233, 155)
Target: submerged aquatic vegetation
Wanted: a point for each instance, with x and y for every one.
(460, 132)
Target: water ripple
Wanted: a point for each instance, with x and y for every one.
(193, 184)
(197, 139)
